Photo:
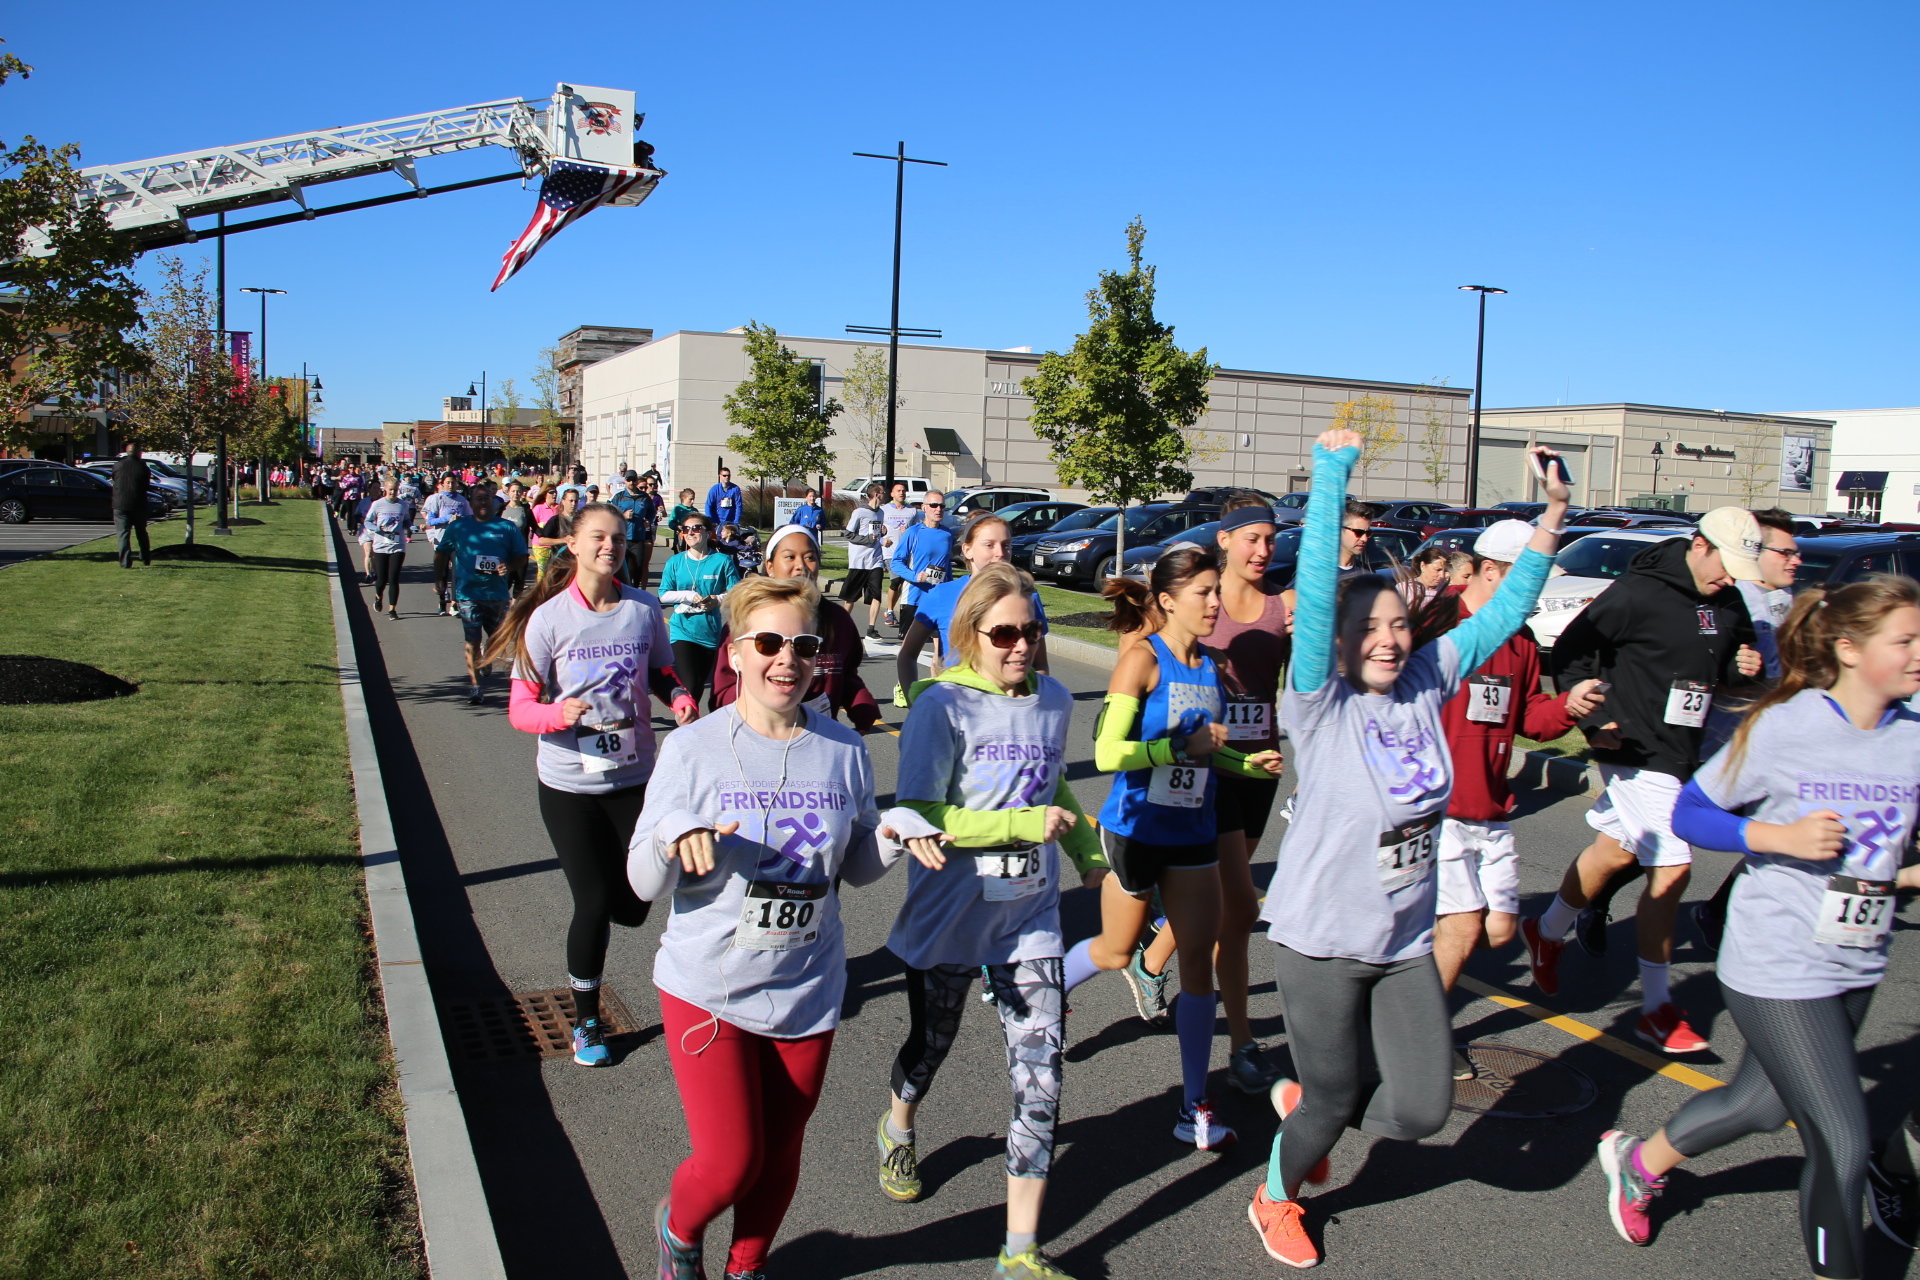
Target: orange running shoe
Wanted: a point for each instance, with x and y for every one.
(1282, 1233)
(1285, 1096)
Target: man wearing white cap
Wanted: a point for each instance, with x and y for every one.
(1667, 638)
(1479, 880)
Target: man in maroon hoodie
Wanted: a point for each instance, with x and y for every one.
(1479, 874)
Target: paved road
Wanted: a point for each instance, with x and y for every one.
(37, 537)
(574, 1159)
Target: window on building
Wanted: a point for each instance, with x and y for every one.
(1864, 504)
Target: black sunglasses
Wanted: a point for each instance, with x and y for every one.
(693, 528)
(1006, 634)
(767, 643)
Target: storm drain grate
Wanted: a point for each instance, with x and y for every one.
(1519, 1084)
(532, 1024)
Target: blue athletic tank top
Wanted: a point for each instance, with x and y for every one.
(1172, 804)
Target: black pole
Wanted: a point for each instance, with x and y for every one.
(261, 378)
(220, 487)
(1473, 443)
(893, 314)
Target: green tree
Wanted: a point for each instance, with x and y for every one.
(1435, 435)
(1756, 463)
(68, 300)
(546, 398)
(1115, 408)
(1379, 427)
(784, 426)
(188, 391)
(865, 386)
(506, 410)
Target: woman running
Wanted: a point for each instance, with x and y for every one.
(550, 534)
(1426, 576)
(585, 652)
(986, 540)
(1817, 788)
(837, 687)
(1162, 733)
(384, 534)
(1354, 927)
(983, 758)
(691, 585)
(753, 815)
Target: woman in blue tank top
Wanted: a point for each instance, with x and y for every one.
(1161, 735)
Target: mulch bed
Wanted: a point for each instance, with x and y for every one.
(26, 680)
(1098, 621)
(194, 551)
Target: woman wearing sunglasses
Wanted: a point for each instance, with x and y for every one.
(691, 585)
(1162, 733)
(585, 652)
(983, 758)
(752, 815)
(792, 553)
(986, 540)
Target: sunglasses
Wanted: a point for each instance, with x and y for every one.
(934, 506)
(693, 528)
(1006, 634)
(767, 643)
(1361, 533)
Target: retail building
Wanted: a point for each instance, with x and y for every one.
(1876, 463)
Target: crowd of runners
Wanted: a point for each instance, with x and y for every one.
(1723, 711)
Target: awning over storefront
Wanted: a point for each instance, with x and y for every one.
(944, 440)
(1859, 481)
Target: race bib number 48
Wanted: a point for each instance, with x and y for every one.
(1406, 853)
(778, 916)
(606, 747)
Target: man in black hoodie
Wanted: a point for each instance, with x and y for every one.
(131, 477)
(1667, 637)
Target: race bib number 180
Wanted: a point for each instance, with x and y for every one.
(778, 916)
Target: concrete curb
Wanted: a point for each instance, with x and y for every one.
(454, 1218)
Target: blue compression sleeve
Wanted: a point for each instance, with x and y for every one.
(1193, 1023)
(1479, 636)
(1317, 582)
(1698, 820)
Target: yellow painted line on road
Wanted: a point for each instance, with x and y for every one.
(1653, 1062)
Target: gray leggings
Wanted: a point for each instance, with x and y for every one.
(1029, 995)
(1799, 1065)
(1334, 1007)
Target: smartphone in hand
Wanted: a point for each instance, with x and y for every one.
(1545, 470)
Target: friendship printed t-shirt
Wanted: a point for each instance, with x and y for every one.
(386, 524)
(576, 651)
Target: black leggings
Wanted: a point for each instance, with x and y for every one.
(1799, 1065)
(693, 663)
(386, 577)
(590, 834)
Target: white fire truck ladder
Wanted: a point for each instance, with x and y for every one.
(151, 201)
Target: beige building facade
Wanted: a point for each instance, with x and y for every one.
(1691, 459)
(964, 420)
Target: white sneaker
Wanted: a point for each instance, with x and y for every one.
(1197, 1125)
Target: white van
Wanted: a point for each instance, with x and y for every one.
(916, 487)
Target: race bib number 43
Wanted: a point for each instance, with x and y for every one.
(1854, 912)
(1488, 698)
(778, 916)
(1406, 853)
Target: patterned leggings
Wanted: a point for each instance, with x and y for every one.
(1030, 998)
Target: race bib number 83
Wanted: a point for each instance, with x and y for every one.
(1178, 786)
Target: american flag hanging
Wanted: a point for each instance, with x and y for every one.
(568, 192)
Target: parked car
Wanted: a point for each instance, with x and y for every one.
(962, 504)
(1522, 510)
(1610, 518)
(1074, 522)
(56, 491)
(166, 477)
(1140, 560)
(1386, 550)
(168, 497)
(1463, 518)
(916, 486)
(1216, 495)
(1834, 559)
(1406, 514)
(1463, 539)
(1088, 557)
(1583, 571)
(202, 490)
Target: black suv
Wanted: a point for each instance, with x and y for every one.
(1840, 558)
(1086, 557)
(1083, 519)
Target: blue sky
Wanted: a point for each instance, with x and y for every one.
(1702, 204)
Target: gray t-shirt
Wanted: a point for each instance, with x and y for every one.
(1355, 874)
(865, 521)
(1804, 756)
(603, 659)
(386, 524)
(757, 941)
(983, 751)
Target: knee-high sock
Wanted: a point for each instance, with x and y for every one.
(1193, 1020)
(1079, 963)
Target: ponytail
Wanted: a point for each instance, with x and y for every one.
(1136, 606)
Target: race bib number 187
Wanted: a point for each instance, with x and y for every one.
(1854, 912)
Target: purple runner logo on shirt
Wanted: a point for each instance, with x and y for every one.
(1875, 830)
(805, 833)
(1406, 763)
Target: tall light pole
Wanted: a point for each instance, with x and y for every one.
(1479, 364)
(220, 486)
(261, 377)
(893, 330)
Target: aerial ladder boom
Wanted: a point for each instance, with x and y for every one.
(151, 201)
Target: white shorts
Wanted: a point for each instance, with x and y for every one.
(1637, 810)
(1478, 868)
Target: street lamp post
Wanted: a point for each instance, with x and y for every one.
(1479, 364)
(893, 330)
(261, 377)
(486, 415)
(220, 485)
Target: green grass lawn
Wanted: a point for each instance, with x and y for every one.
(197, 1079)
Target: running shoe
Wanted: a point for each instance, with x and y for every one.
(1249, 1070)
(1463, 1069)
(1894, 1202)
(746, 1275)
(887, 616)
(1629, 1195)
(1197, 1125)
(1149, 989)
(677, 1261)
(1282, 1233)
(590, 1044)
(899, 696)
(899, 1167)
(873, 633)
(1710, 923)
(474, 696)
(1028, 1264)
(1666, 1029)
(1590, 931)
(986, 986)
(1285, 1096)
(393, 614)
(1543, 957)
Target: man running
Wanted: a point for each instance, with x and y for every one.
(486, 555)
(442, 509)
(725, 503)
(865, 563)
(1664, 638)
(895, 518)
(807, 514)
(636, 504)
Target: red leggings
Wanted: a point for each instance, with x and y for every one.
(747, 1098)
